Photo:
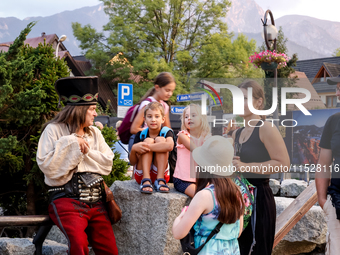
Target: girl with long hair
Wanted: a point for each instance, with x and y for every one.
(217, 199)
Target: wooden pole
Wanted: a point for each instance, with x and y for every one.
(294, 212)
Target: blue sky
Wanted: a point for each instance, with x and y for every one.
(328, 9)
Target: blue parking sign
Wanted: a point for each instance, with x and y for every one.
(125, 94)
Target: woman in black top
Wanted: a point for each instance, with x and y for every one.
(260, 151)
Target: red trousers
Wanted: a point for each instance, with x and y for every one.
(81, 222)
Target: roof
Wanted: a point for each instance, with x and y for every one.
(332, 69)
(303, 82)
(34, 42)
(323, 87)
(105, 94)
(311, 66)
(72, 64)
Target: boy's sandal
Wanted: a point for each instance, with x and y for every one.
(142, 186)
(159, 186)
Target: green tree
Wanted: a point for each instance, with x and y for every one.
(27, 100)
(153, 36)
(336, 53)
(285, 75)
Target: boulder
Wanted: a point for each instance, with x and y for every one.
(24, 246)
(292, 188)
(16, 246)
(54, 248)
(288, 248)
(146, 225)
(311, 228)
(56, 235)
(275, 186)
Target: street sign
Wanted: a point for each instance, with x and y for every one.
(177, 109)
(211, 101)
(189, 97)
(125, 94)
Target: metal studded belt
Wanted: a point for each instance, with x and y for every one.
(85, 187)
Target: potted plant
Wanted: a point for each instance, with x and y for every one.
(269, 60)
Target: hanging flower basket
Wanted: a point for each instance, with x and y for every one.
(269, 60)
(268, 66)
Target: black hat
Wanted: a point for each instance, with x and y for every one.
(80, 90)
(334, 80)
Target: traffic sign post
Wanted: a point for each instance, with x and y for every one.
(190, 97)
(177, 109)
(125, 99)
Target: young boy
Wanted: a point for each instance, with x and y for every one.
(149, 155)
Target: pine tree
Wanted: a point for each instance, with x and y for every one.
(27, 100)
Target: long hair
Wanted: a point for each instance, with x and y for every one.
(73, 116)
(228, 196)
(257, 92)
(161, 80)
(204, 128)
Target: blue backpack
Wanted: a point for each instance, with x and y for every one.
(172, 154)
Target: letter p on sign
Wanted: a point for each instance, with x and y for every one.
(125, 91)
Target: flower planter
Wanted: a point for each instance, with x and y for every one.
(268, 66)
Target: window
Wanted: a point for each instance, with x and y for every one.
(331, 101)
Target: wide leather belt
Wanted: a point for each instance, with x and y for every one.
(85, 187)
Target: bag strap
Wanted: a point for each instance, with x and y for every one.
(143, 134)
(119, 142)
(164, 131)
(135, 110)
(213, 232)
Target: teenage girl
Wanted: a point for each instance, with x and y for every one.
(217, 199)
(164, 86)
(195, 130)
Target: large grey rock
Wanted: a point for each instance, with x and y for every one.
(24, 246)
(16, 246)
(54, 248)
(275, 186)
(146, 225)
(311, 228)
(292, 188)
(56, 235)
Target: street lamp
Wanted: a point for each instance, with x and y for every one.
(61, 39)
(270, 34)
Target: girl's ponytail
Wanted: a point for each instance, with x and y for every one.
(149, 93)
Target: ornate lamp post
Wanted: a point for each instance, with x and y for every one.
(270, 34)
(61, 39)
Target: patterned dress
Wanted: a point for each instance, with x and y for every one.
(225, 242)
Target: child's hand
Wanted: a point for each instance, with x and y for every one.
(141, 148)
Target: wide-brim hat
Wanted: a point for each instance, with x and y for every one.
(215, 155)
(334, 80)
(80, 90)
